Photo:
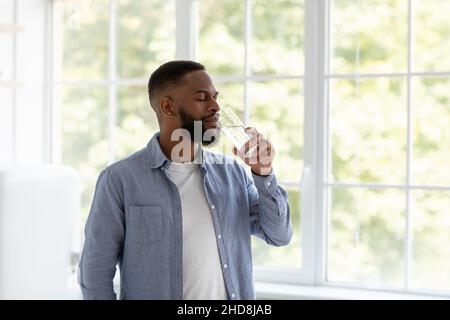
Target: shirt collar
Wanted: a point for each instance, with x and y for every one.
(158, 159)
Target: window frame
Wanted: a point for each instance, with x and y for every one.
(314, 185)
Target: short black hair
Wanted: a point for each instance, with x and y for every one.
(170, 73)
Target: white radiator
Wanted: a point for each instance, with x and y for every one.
(39, 209)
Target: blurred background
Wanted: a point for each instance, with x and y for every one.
(354, 94)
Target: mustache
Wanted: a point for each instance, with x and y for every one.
(212, 117)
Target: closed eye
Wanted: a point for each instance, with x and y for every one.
(205, 96)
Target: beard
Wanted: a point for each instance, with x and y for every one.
(187, 123)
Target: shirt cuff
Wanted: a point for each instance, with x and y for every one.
(266, 184)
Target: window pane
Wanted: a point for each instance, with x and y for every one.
(431, 116)
(368, 36)
(366, 237)
(431, 253)
(6, 127)
(80, 39)
(145, 36)
(368, 130)
(288, 256)
(221, 39)
(135, 121)
(84, 142)
(278, 32)
(432, 43)
(277, 113)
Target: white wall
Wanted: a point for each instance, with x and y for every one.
(6, 74)
(30, 71)
(22, 108)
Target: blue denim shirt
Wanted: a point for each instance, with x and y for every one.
(136, 221)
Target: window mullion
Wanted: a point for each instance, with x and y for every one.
(247, 69)
(408, 220)
(314, 206)
(48, 116)
(14, 87)
(186, 29)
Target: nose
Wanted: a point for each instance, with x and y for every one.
(214, 106)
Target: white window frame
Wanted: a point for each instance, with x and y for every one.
(313, 185)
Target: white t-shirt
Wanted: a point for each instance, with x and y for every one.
(202, 272)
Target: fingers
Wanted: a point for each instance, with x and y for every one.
(251, 131)
(257, 150)
(263, 155)
(251, 144)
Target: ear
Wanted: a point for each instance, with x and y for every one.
(166, 106)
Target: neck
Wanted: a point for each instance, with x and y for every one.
(183, 150)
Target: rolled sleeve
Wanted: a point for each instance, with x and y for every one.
(269, 210)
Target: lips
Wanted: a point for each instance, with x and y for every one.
(212, 122)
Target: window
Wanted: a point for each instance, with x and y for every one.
(353, 94)
(388, 177)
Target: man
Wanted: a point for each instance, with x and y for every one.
(180, 228)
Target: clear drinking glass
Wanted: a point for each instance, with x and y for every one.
(233, 128)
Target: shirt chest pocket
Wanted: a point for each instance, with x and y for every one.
(144, 224)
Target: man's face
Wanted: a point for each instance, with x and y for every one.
(196, 100)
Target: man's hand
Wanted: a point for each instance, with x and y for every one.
(262, 153)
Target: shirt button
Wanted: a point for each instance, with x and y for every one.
(219, 236)
(225, 266)
(269, 183)
(213, 207)
(233, 295)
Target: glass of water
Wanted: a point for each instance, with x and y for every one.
(233, 128)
